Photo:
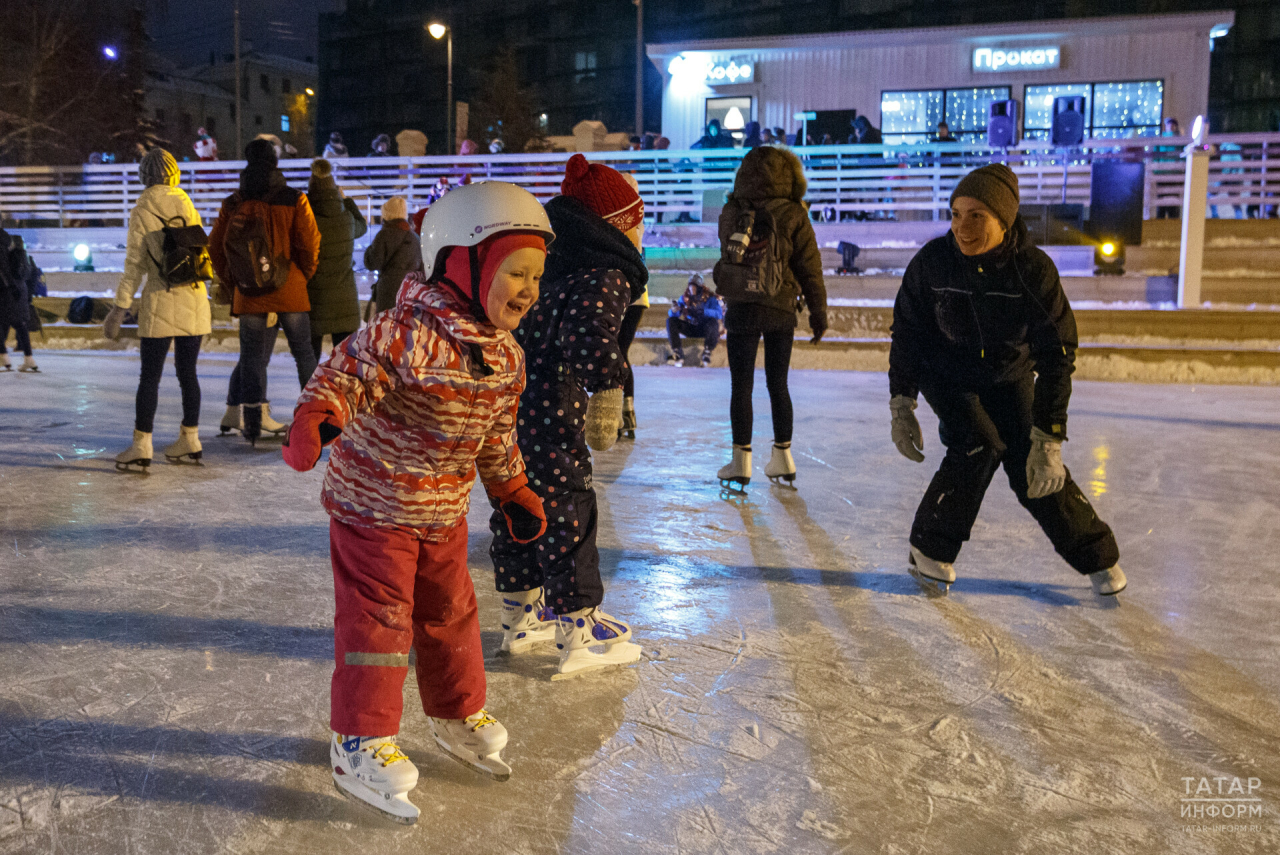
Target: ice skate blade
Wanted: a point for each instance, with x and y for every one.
(193, 458)
(29, 369)
(585, 662)
(371, 801)
(787, 481)
(516, 646)
(931, 587)
(226, 431)
(735, 485)
(492, 766)
(143, 467)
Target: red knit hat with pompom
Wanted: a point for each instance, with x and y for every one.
(603, 189)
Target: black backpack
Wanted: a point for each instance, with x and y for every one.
(183, 253)
(254, 264)
(751, 268)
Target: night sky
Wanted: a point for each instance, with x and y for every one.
(189, 29)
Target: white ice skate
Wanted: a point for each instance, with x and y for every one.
(137, 457)
(526, 620)
(781, 466)
(230, 420)
(737, 473)
(270, 425)
(29, 365)
(372, 771)
(935, 577)
(476, 741)
(5, 364)
(187, 448)
(1109, 582)
(589, 639)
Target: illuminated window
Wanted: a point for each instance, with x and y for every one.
(913, 116)
(584, 65)
(284, 123)
(1037, 107)
(732, 114)
(1130, 109)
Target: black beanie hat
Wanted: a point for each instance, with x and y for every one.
(994, 186)
(260, 153)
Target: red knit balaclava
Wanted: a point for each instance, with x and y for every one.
(603, 190)
(490, 252)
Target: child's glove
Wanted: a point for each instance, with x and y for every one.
(313, 428)
(526, 519)
(1045, 473)
(906, 428)
(604, 417)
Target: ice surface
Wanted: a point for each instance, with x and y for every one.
(165, 642)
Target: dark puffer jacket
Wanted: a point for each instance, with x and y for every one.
(570, 340)
(335, 308)
(773, 178)
(394, 253)
(970, 322)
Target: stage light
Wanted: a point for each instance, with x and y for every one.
(1108, 258)
(83, 257)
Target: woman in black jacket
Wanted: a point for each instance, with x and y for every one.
(982, 327)
(770, 185)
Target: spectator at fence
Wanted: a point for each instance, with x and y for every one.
(864, 133)
(752, 137)
(335, 307)
(168, 312)
(206, 147)
(394, 253)
(944, 134)
(381, 146)
(698, 313)
(295, 244)
(714, 137)
(468, 148)
(780, 136)
(336, 147)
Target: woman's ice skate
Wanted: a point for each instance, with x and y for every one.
(736, 475)
(589, 639)
(230, 420)
(526, 620)
(29, 365)
(187, 447)
(372, 771)
(137, 457)
(1109, 582)
(935, 577)
(270, 425)
(5, 364)
(474, 741)
(781, 466)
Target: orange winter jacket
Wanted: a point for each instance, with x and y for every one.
(426, 394)
(293, 232)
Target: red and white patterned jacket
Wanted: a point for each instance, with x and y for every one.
(419, 413)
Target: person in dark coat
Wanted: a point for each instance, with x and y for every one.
(714, 137)
(770, 179)
(16, 270)
(699, 313)
(752, 137)
(573, 395)
(982, 328)
(335, 307)
(394, 253)
(864, 133)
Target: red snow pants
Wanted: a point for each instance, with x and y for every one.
(395, 592)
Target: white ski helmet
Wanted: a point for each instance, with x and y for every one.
(472, 213)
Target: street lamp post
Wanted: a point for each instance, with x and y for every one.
(438, 30)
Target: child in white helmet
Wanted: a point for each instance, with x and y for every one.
(419, 402)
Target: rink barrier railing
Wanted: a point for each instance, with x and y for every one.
(1244, 173)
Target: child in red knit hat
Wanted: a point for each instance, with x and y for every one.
(572, 403)
(423, 399)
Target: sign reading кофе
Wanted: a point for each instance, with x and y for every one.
(1000, 59)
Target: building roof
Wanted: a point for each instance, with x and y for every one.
(976, 33)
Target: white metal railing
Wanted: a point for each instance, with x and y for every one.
(1244, 173)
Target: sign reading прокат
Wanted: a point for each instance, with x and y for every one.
(1000, 59)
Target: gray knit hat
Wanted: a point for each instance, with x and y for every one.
(158, 167)
(994, 186)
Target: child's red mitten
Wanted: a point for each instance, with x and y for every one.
(526, 520)
(312, 429)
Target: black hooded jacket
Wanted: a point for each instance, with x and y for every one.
(969, 322)
(570, 340)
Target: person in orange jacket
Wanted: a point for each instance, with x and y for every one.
(423, 399)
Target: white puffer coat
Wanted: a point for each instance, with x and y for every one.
(162, 312)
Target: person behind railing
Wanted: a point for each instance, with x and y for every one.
(767, 137)
(944, 134)
(1169, 153)
(982, 328)
(335, 306)
(698, 313)
(394, 253)
(380, 147)
(752, 137)
(468, 148)
(714, 137)
(335, 147)
(177, 314)
(206, 147)
(289, 220)
(864, 133)
(780, 136)
(770, 182)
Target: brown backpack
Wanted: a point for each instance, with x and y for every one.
(256, 265)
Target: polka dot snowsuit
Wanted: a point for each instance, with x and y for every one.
(570, 339)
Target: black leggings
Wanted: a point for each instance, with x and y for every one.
(742, 349)
(317, 342)
(627, 334)
(186, 349)
(23, 338)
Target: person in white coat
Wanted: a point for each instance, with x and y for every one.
(167, 314)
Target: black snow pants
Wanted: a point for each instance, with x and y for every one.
(550, 433)
(981, 430)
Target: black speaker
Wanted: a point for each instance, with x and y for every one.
(1115, 201)
(1068, 120)
(1002, 124)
